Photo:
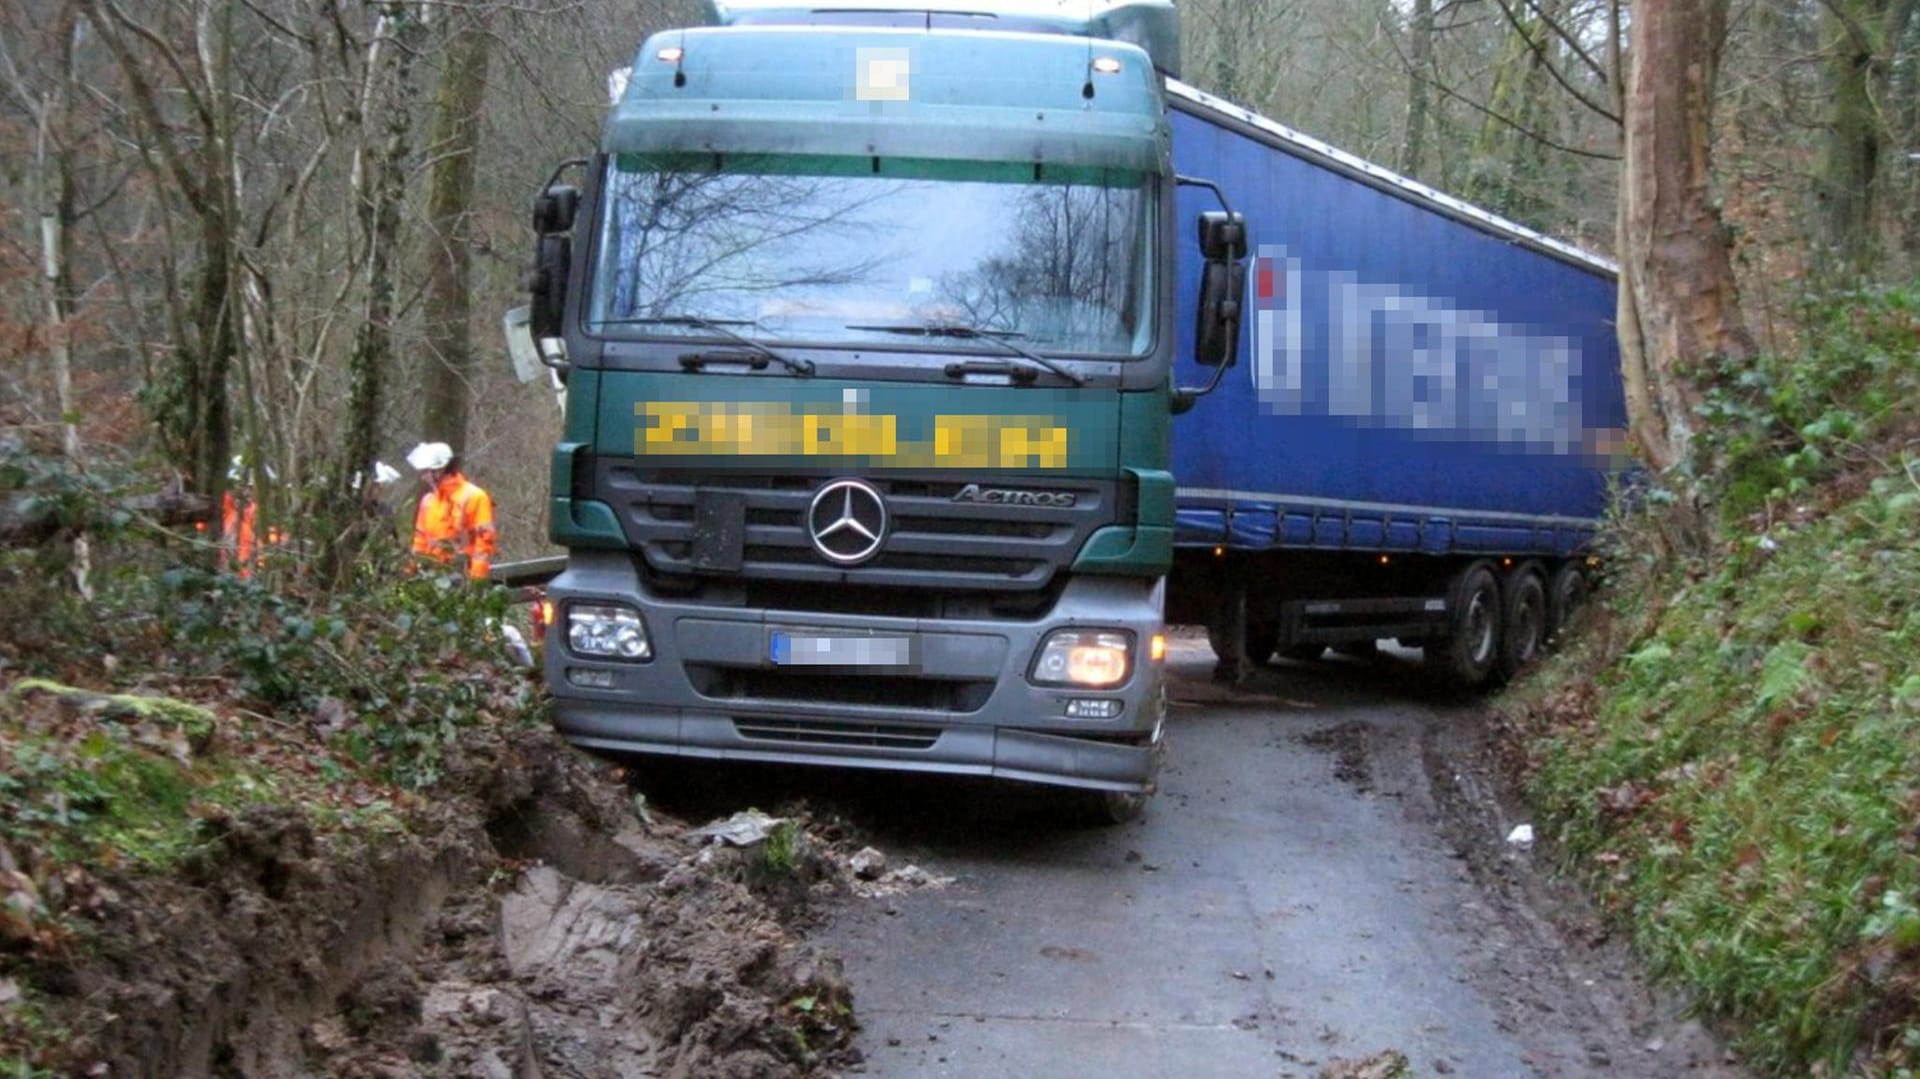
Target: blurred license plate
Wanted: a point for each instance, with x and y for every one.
(808, 650)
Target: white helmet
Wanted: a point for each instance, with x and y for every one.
(430, 456)
(237, 471)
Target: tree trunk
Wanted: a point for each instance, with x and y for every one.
(1863, 43)
(1510, 153)
(381, 182)
(1674, 248)
(1419, 70)
(54, 178)
(379, 192)
(1905, 191)
(448, 310)
(1849, 156)
(207, 434)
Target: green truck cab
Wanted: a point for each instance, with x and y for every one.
(866, 334)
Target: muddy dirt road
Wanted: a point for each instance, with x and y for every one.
(1324, 877)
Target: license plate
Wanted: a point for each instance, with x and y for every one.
(813, 650)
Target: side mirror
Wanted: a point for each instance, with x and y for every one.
(1216, 327)
(554, 209)
(1223, 235)
(1216, 324)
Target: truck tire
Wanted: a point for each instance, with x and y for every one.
(1469, 652)
(1261, 637)
(1566, 594)
(1523, 619)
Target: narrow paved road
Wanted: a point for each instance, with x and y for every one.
(1301, 892)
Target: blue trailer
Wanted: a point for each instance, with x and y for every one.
(1418, 438)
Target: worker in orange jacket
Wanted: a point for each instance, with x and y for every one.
(455, 519)
(239, 520)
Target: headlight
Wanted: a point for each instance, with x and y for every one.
(1084, 657)
(612, 632)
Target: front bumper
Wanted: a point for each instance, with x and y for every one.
(1022, 755)
(965, 708)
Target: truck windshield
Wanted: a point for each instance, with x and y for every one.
(861, 251)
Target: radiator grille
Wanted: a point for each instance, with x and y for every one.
(933, 542)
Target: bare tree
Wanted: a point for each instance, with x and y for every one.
(50, 106)
(449, 300)
(194, 158)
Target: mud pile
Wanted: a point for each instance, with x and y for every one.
(535, 921)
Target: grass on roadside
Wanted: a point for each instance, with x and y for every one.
(1732, 755)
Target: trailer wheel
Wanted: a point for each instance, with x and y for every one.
(1566, 594)
(1524, 619)
(1261, 637)
(1471, 647)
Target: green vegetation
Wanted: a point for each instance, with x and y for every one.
(778, 854)
(1774, 429)
(138, 725)
(1732, 753)
(299, 698)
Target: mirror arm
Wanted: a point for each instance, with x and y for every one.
(1185, 396)
(1186, 181)
(570, 163)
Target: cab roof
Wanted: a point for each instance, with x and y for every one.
(875, 91)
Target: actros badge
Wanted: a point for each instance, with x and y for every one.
(847, 522)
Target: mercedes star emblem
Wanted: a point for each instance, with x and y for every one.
(847, 522)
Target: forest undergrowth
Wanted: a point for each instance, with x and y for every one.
(1728, 750)
(255, 826)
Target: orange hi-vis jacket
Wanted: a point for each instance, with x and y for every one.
(237, 547)
(454, 521)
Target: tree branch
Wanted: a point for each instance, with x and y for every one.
(145, 100)
(1546, 61)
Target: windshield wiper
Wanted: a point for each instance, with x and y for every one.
(693, 360)
(974, 333)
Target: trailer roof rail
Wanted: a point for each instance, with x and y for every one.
(1352, 164)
